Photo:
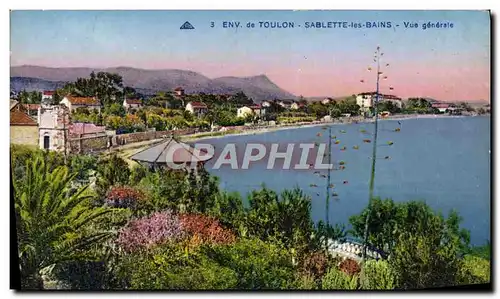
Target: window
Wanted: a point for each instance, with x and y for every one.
(46, 142)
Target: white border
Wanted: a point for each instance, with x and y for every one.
(194, 4)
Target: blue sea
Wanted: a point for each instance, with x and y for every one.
(442, 161)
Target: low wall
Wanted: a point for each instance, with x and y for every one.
(145, 136)
(83, 144)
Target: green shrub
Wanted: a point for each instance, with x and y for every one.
(305, 282)
(338, 280)
(474, 270)
(171, 267)
(377, 275)
(258, 265)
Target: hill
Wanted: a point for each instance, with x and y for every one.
(258, 87)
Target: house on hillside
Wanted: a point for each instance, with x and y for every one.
(179, 91)
(366, 100)
(266, 104)
(256, 110)
(30, 109)
(442, 107)
(197, 108)
(287, 104)
(297, 106)
(132, 104)
(74, 103)
(326, 101)
(397, 101)
(23, 128)
(47, 96)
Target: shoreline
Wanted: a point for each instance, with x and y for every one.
(268, 129)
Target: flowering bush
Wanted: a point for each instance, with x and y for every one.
(204, 229)
(123, 197)
(149, 231)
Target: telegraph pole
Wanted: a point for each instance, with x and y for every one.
(327, 212)
(374, 156)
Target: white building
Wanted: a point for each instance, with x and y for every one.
(326, 101)
(245, 111)
(53, 126)
(365, 100)
(266, 104)
(197, 108)
(47, 96)
(132, 103)
(74, 103)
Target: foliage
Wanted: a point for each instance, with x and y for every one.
(83, 166)
(388, 220)
(483, 251)
(377, 275)
(338, 280)
(116, 109)
(388, 106)
(258, 265)
(111, 171)
(171, 267)
(474, 270)
(107, 87)
(128, 124)
(150, 231)
(205, 229)
(228, 208)
(51, 219)
(137, 173)
(318, 109)
(29, 97)
(305, 282)
(82, 274)
(156, 121)
(326, 231)
(424, 261)
(286, 218)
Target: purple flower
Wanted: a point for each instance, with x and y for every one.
(150, 231)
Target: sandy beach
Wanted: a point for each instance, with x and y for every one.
(343, 121)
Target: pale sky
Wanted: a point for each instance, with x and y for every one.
(446, 64)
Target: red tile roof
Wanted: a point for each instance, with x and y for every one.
(48, 93)
(198, 105)
(256, 106)
(83, 128)
(19, 118)
(133, 101)
(178, 89)
(30, 106)
(83, 101)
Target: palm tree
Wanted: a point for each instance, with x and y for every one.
(51, 220)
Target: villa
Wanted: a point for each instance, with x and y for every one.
(197, 108)
(74, 103)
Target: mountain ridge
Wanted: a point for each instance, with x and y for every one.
(149, 81)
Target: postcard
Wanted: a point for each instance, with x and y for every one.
(250, 150)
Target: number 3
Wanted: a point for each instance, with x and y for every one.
(212, 24)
